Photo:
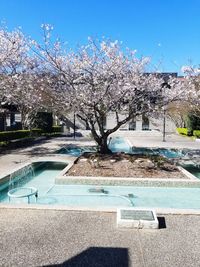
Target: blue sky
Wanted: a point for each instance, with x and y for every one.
(166, 30)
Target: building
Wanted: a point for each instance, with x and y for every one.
(10, 119)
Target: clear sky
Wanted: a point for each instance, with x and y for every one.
(166, 30)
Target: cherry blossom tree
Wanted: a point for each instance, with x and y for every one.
(101, 78)
(96, 80)
(22, 81)
(14, 64)
(192, 76)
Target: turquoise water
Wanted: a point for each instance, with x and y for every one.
(193, 170)
(119, 144)
(152, 197)
(76, 151)
(44, 178)
(114, 196)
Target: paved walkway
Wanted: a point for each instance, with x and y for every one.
(155, 139)
(43, 150)
(14, 158)
(67, 238)
(89, 239)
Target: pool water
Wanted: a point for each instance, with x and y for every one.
(195, 170)
(169, 153)
(76, 151)
(104, 196)
(119, 144)
(44, 177)
(152, 197)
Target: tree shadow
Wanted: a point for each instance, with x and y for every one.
(162, 223)
(98, 256)
(76, 134)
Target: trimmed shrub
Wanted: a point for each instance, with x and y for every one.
(56, 129)
(193, 122)
(13, 135)
(183, 131)
(196, 133)
(44, 121)
(36, 132)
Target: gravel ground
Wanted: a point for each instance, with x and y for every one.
(123, 166)
(69, 238)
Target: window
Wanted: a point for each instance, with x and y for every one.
(145, 123)
(132, 125)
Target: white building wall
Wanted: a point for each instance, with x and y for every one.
(154, 123)
(139, 123)
(157, 124)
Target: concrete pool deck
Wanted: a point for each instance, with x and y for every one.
(154, 139)
(72, 238)
(13, 158)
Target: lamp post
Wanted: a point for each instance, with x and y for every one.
(165, 85)
(164, 124)
(74, 125)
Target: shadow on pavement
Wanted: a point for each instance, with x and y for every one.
(162, 223)
(98, 256)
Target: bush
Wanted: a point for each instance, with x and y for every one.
(13, 135)
(36, 132)
(193, 122)
(183, 131)
(44, 121)
(56, 129)
(7, 136)
(196, 133)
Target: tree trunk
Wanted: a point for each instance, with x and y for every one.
(103, 146)
(23, 120)
(101, 139)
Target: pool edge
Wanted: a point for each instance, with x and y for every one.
(159, 211)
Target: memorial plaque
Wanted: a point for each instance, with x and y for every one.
(137, 218)
(137, 215)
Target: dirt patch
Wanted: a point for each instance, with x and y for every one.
(123, 165)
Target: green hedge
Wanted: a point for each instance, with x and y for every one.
(12, 135)
(36, 132)
(186, 131)
(183, 131)
(56, 129)
(196, 133)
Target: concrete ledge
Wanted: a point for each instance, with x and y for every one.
(187, 173)
(159, 211)
(6, 176)
(85, 180)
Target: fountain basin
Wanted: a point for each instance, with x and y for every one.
(21, 192)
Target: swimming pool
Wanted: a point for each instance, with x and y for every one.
(151, 197)
(119, 144)
(193, 169)
(42, 177)
(75, 150)
(98, 197)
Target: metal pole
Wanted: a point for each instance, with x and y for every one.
(164, 124)
(74, 125)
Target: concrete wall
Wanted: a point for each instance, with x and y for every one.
(154, 123)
